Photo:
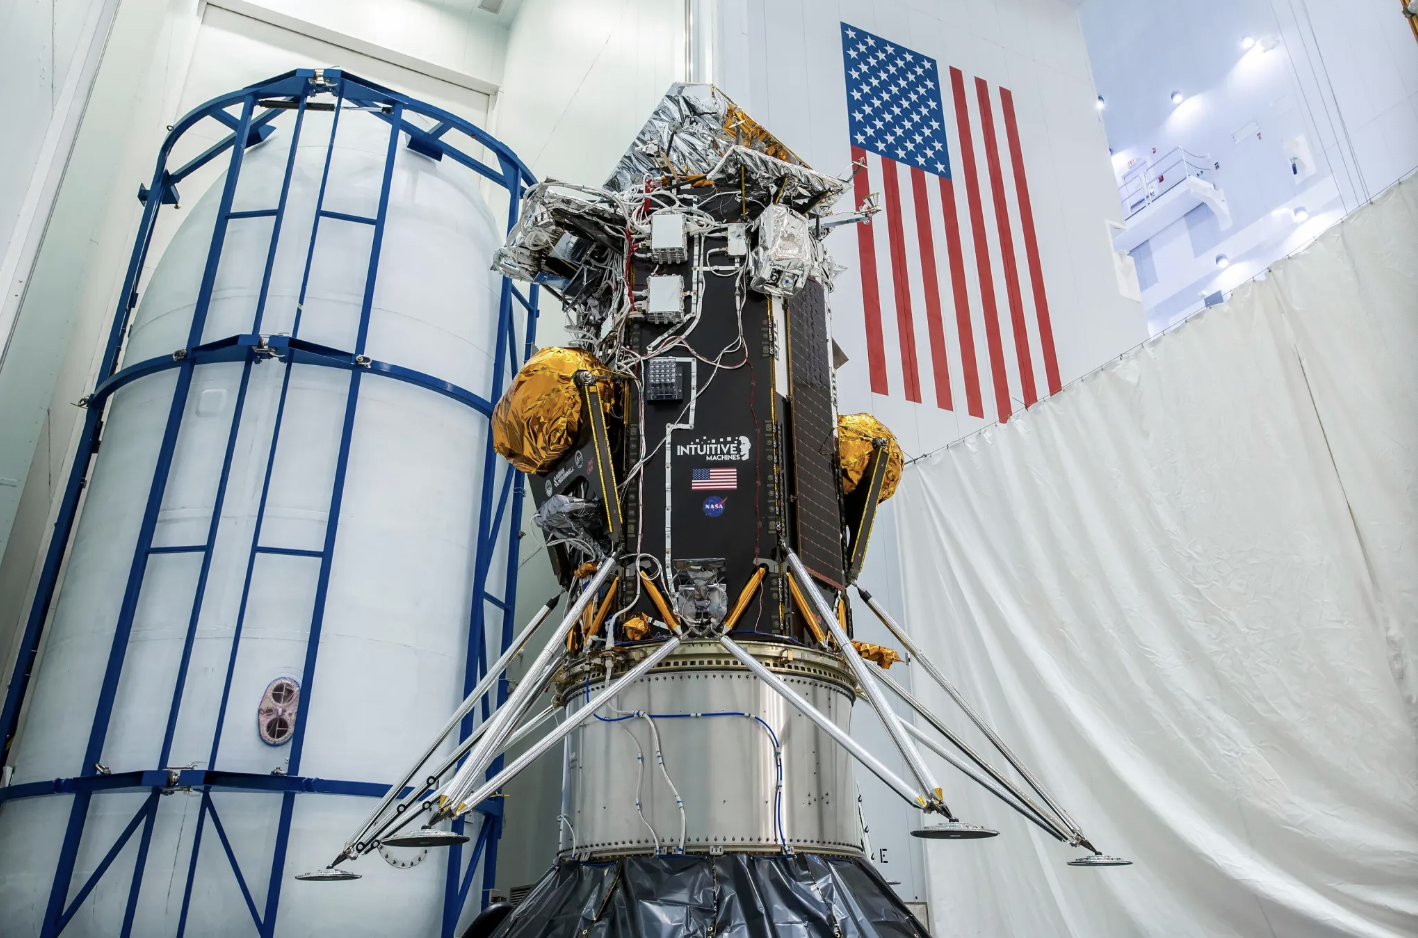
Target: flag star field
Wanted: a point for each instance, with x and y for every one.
(893, 101)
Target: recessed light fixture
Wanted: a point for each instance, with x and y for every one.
(1101, 103)
(1178, 97)
(1223, 261)
(1302, 214)
(1248, 42)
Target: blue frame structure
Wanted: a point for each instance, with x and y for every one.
(250, 115)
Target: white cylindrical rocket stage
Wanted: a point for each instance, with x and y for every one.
(265, 436)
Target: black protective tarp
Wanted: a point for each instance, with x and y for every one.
(730, 896)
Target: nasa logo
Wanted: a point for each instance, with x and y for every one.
(714, 506)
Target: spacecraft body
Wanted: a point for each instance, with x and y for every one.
(695, 287)
(705, 508)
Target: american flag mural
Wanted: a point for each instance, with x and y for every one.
(931, 269)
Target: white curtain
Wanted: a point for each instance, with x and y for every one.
(1187, 589)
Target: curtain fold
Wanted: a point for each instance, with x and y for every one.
(1187, 588)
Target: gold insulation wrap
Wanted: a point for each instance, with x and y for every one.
(745, 598)
(659, 601)
(539, 418)
(636, 628)
(750, 133)
(855, 433)
(882, 655)
(805, 610)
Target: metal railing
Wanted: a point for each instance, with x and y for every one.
(1147, 182)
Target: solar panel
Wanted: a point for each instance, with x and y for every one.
(818, 515)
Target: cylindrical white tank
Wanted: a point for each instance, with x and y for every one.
(395, 627)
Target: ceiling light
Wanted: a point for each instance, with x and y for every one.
(1247, 42)
(1178, 97)
(1101, 103)
(1302, 214)
(1223, 261)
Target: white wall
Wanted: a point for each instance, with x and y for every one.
(39, 42)
(1344, 76)
(452, 35)
(581, 77)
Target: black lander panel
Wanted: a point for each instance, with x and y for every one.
(727, 516)
(817, 511)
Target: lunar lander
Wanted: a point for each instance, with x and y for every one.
(705, 508)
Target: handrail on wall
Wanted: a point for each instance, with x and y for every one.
(1147, 182)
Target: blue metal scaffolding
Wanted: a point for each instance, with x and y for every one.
(250, 115)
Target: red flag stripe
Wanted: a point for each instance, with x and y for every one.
(1006, 244)
(982, 250)
(900, 279)
(940, 367)
(1031, 244)
(962, 300)
(871, 296)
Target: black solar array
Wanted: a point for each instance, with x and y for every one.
(817, 509)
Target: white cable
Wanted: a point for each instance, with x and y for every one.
(660, 758)
(567, 821)
(639, 779)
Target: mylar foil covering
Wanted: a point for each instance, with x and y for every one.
(732, 896)
(539, 418)
(637, 627)
(783, 259)
(822, 189)
(854, 448)
(882, 655)
(697, 131)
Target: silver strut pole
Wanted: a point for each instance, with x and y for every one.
(469, 702)
(970, 711)
(512, 710)
(1040, 820)
(561, 732)
(402, 816)
(1000, 778)
(499, 731)
(875, 697)
(824, 723)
